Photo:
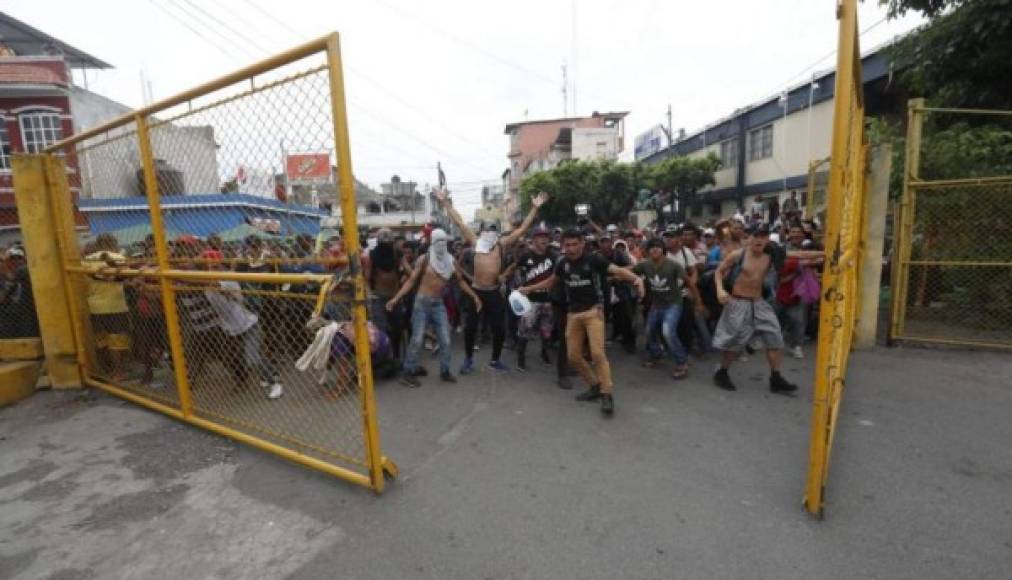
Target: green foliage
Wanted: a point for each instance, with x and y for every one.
(611, 187)
(961, 57)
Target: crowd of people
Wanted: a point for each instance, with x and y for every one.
(726, 290)
(733, 287)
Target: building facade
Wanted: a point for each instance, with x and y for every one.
(540, 145)
(766, 148)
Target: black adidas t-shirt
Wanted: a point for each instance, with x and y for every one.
(582, 280)
(534, 268)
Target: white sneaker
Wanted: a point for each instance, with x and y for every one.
(276, 391)
(797, 353)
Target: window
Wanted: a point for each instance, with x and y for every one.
(39, 130)
(5, 147)
(729, 153)
(760, 143)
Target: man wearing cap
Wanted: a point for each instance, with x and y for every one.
(579, 274)
(534, 266)
(747, 314)
(490, 252)
(431, 273)
(18, 318)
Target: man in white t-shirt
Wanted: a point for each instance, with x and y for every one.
(242, 331)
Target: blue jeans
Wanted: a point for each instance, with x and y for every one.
(665, 320)
(428, 310)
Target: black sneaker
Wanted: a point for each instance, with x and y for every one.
(780, 385)
(591, 394)
(522, 365)
(564, 384)
(420, 372)
(723, 380)
(607, 405)
(545, 360)
(410, 380)
(447, 377)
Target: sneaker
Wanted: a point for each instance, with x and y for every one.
(498, 366)
(607, 404)
(680, 372)
(545, 360)
(797, 353)
(591, 394)
(467, 367)
(447, 377)
(410, 380)
(723, 380)
(780, 385)
(565, 384)
(276, 391)
(420, 372)
(521, 366)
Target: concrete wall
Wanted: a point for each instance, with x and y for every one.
(110, 171)
(596, 143)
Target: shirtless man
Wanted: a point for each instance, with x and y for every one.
(434, 270)
(382, 270)
(746, 313)
(489, 259)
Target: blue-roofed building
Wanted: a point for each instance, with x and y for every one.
(200, 215)
(766, 147)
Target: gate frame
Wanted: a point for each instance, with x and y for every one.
(58, 195)
(906, 216)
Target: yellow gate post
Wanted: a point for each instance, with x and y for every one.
(38, 229)
(162, 255)
(363, 356)
(911, 172)
(846, 178)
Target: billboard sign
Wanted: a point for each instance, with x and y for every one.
(650, 142)
(308, 167)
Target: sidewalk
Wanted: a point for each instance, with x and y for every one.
(505, 476)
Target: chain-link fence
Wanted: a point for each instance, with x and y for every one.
(841, 278)
(953, 275)
(214, 284)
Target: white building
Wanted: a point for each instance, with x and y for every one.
(766, 147)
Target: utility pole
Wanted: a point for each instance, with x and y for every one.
(671, 136)
(565, 98)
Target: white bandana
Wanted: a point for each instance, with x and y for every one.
(439, 256)
(486, 242)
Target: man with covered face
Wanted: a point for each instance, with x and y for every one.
(489, 262)
(431, 273)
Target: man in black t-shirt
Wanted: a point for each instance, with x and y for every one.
(580, 274)
(534, 266)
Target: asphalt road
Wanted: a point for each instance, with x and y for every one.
(505, 476)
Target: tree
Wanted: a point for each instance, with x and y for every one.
(960, 58)
(681, 178)
(611, 187)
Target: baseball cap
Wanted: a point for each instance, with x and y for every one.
(385, 235)
(709, 232)
(540, 231)
(612, 228)
(16, 251)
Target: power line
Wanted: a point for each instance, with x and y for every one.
(222, 23)
(193, 30)
(197, 19)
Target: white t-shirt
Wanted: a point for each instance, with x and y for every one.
(233, 316)
(687, 260)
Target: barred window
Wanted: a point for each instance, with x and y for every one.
(5, 147)
(729, 153)
(760, 143)
(39, 129)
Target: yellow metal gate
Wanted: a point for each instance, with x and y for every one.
(211, 275)
(952, 273)
(845, 206)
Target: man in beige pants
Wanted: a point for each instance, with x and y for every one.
(580, 274)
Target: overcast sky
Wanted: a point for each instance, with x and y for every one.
(472, 67)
